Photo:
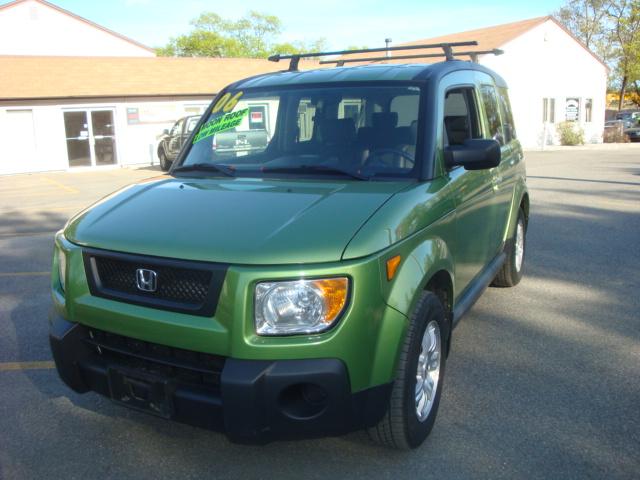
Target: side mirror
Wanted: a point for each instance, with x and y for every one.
(165, 131)
(475, 154)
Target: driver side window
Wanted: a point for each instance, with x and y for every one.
(460, 117)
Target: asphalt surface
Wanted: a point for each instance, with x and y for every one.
(543, 380)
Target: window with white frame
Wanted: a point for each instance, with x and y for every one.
(588, 110)
(549, 110)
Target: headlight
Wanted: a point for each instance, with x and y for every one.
(62, 267)
(299, 306)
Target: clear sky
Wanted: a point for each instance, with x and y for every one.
(341, 22)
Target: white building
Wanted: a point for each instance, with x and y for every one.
(34, 27)
(552, 77)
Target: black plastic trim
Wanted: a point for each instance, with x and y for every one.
(477, 286)
(248, 404)
(206, 309)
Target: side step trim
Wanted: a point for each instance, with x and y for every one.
(477, 287)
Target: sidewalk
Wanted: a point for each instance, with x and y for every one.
(588, 146)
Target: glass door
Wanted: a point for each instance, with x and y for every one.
(104, 138)
(90, 136)
(76, 128)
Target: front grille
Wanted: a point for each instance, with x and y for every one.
(182, 366)
(183, 286)
(176, 284)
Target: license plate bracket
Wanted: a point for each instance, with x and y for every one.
(142, 392)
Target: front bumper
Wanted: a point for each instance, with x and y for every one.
(252, 401)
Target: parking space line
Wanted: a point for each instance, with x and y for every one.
(12, 366)
(60, 185)
(24, 234)
(23, 274)
(39, 208)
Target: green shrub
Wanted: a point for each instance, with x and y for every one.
(570, 133)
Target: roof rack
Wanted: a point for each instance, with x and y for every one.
(472, 54)
(447, 52)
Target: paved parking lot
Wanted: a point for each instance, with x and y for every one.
(543, 380)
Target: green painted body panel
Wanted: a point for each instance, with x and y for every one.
(240, 221)
(367, 324)
(268, 229)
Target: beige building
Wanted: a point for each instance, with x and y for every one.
(74, 94)
(88, 97)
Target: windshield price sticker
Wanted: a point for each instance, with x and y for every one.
(220, 124)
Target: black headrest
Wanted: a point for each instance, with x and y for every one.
(384, 120)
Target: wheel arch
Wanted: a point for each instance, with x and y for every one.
(524, 204)
(519, 200)
(426, 263)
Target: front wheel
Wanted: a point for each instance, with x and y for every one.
(418, 385)
(165, 164)
(511, 272)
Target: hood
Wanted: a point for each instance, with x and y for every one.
(240, 221)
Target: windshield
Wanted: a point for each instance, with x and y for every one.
(360, 132)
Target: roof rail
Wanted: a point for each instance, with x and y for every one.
(447, 52)
(472, 54)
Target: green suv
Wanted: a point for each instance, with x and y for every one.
(309, 287)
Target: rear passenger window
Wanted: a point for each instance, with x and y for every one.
(508, 126)
(460, 117)
(490, 101)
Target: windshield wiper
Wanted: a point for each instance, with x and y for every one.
(207, 167)
(317, 168)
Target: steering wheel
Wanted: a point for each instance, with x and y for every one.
(382, 151)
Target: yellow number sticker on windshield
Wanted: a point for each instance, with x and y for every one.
(232, 103)
(226, 103)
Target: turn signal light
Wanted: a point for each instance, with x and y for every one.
(392, 265)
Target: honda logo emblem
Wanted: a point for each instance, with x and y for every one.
(146, 280)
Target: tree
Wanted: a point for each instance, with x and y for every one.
(625, 17)
(250, 36)
(587, 20)
(611, 29)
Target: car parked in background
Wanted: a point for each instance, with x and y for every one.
(629, 118)
(172, 140)
(633, 134)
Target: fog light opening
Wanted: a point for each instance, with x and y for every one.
(303, 401)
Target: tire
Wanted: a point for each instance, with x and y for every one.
(401, 427)
(165, 164)
(511, 271)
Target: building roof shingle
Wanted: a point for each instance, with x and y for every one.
(488, 38)
(26, 77)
